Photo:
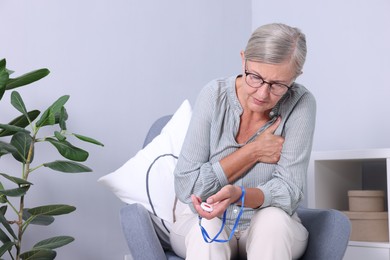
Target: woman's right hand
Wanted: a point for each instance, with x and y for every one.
(220, 201)
(269, 146)
(266, 148)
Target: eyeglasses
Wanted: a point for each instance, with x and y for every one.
(256, 81)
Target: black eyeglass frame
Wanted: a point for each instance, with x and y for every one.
(269, 84)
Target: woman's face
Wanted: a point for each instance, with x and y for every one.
(261, 99)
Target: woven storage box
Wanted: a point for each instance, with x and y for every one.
(369, 226)
(366, 200)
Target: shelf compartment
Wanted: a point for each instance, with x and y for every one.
(332, 174)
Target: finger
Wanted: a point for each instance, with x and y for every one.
(272, 128)
(196, 203)
(217, 197)
(218, 210)
(212, 199)
(196, 200)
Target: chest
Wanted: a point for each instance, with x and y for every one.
(247, 129)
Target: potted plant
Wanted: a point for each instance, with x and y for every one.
(19, 139)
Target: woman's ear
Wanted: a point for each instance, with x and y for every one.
(242, 53)
(295, 78)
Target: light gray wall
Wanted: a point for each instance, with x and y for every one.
(347, 67)
(124, 63)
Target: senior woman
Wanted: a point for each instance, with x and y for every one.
(246, 154)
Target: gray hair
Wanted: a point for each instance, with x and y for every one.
(277, 43)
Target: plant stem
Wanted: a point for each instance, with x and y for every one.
(20, 230)
(21, 206)
(29, 156)
(33, 169)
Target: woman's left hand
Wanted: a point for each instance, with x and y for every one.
(219, 201)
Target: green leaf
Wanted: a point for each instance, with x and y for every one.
(3, 199)
(45, 119)
(27, 78)
(37, 220)
(22, 142)
(21, 121)
(88, 139)
(17, 102)
(54, 242)
(6, 247)
(17, 192)
(69, 151)
(3, 62)
(59, 136)
(62, 117)
(67, 166)
(4, 237)
(16, 180)
(7, 226)
(3, 210)
(49, 116)
(13, 128)
(7, 148)
(4, 76)
(51, 210)
(42, 254)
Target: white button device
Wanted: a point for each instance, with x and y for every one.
(206, 207)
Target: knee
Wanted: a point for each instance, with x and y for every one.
(187, 239)
(270, 214)
(273, 235)
(210, 229)
(270, 222)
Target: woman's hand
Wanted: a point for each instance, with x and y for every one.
(220, 201)
(269, 145)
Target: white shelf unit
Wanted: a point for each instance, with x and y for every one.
(332, 173)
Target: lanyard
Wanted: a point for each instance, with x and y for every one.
(206, 236)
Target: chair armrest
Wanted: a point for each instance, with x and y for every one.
(140, 234)
(329, 232)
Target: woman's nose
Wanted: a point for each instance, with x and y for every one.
(264, 89)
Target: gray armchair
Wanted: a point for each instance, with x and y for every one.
(329, 230)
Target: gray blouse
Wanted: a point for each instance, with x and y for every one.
(211, 136)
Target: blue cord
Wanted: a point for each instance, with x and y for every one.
(206, 236)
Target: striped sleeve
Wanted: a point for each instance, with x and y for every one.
(194, 173)
(285, 189)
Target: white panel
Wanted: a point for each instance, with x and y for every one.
(364, 253)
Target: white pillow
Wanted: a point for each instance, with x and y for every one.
(129, 182)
